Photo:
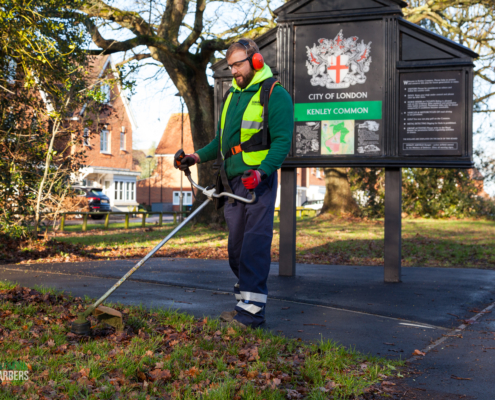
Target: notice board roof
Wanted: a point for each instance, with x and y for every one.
(450, 48)
(309, 9)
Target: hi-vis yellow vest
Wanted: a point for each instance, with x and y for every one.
(252, 124)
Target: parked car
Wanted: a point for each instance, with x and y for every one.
(313, 204)
(97, 200)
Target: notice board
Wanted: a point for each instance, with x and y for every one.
(339, 99)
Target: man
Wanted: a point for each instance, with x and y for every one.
(250, 225)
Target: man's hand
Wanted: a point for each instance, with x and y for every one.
(251, 179)
(188, 161)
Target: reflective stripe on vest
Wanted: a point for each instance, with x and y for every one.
(252, 122)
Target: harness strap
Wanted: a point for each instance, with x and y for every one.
(255, 143)
(225, 182)
(266, 92)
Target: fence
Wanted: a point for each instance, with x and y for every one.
(126, 223)
(300, 212)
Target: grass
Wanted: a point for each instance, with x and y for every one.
(425, 242)
(166, 354)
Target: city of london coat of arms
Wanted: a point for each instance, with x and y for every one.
(338, 63)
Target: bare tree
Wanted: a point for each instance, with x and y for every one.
(183, 40)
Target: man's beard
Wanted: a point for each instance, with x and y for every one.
(246, 80)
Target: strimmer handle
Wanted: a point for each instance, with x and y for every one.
(245, 175)
(178, 159)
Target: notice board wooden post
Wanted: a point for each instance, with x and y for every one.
(287, 248)
(393, 228)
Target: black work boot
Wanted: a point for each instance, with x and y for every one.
(228, 316)
(233, 324)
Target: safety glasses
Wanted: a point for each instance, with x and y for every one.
(237, 64)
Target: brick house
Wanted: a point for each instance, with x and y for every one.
(163, 187)
(108, 144)
(310, 185)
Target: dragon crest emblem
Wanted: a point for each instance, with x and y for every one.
(338, 63)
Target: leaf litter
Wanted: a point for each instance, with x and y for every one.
(163, 354)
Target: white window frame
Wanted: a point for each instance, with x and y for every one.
(124, 190)
(105, 90)
(187, 200)
(122, 139)
(105, 140)
(318, 173)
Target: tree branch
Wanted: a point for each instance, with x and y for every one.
(127, 19)
(483, 98)
(135, 57)
(198, 27)
(114, 46)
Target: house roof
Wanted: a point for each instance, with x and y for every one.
(97, 67)
(170, 141)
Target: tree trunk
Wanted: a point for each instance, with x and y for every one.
(198, 95)
(338, 197)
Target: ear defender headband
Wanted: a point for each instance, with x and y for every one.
(255, 60)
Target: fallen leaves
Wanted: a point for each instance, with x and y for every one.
(252, 374)
(459, 378)
(193, 372)
(158, 374)
(152, 354)
(418, 353)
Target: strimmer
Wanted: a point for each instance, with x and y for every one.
(81, 326)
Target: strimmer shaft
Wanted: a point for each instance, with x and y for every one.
(148, 256)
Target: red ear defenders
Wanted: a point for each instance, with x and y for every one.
(255, 60)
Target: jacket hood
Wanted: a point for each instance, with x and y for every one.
(260, 76)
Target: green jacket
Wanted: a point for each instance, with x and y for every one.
(280, 122)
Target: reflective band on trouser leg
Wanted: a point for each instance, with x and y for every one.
(258, 297)
(251, 308)
(237, 292)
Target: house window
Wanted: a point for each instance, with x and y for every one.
(118, 190)
(186, 201)
(86, 137)
(104, 141)
(125, 190)
(318, 173)
(122, 138)
(105, 91)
